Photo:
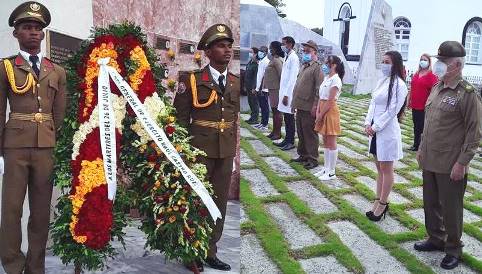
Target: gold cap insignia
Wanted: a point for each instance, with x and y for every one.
(35, 7)
(221, 28)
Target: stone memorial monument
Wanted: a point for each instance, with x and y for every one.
(379, 38)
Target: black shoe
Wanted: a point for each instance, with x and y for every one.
(310, 165)
(449, 262)
(413, 148)
(298, 160)
(270, 135)
(275, 137)
(217, 264)
(376, 218)
(282, 144)
(252, 122)
(427, 246)
(368, 213)
(288, 146)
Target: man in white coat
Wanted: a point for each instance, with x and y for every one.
(289, 74)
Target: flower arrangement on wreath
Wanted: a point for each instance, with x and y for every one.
(174, 218)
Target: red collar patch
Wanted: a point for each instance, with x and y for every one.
(19, 60)
(205, 76)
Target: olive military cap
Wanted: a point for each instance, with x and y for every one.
(30, 11)
(215, 33)
(450, 49)
(310, 44)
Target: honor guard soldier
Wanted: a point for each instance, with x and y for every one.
(209, 108)
(35, 89)
(450, 139)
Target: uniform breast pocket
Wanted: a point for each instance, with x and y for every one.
(448, 107)
(53, 88)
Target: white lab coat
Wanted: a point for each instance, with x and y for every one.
(262, 65)
(385, 122)
(291, 66)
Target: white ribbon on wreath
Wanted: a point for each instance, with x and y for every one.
(108, 139)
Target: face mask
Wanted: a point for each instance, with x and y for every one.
(284, 48)
(386, 69)
(261, 55)
(424, 64)
(326, 69)
(439, 69)
(306, 58)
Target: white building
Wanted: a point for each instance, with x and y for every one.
(420, 27)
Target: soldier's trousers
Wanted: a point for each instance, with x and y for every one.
(25, 168)
(308, 139)
(443, 207)
(219, 172)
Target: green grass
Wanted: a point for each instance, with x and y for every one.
(277, 248)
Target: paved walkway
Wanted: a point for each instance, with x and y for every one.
(135, 259)
(293, 223)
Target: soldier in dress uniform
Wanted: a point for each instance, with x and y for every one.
(35, 89)
(450, 139)
(209, 108)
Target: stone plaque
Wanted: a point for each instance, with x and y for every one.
(236, 54)
(383, 42)
(163, 43)
(187, 48)
(61, 47)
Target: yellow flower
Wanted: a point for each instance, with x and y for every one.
(175, 208)
(171, 83)
(178, 148)
(197, 56)
(169, 209)
(196, 244)
(171, 119)
(157, 184)
(172, 219)
(171, 54)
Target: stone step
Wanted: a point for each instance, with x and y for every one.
(258, 182)
(253, 257)
(260, 147)
(433, 259)
(280, 167)
(244, 158)
(373, 257)
(394, 197)
(327, 264)
(315, 200)
(350, 153)
(245, 133)
(389, 224)
(297, 234)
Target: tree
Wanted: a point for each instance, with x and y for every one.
(277, 4)
(318, 30)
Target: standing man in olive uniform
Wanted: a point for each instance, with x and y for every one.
(305, 101)
(450, 139)
(209, 108)
(35, 90)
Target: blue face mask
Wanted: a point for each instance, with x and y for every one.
(261, 55)
(306, 58)
(326, 69)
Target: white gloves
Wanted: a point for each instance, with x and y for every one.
(2, 165)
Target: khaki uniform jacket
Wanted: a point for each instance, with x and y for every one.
(49, 97)
(215, 143)
(452, 127)
(272, 74)
(306, 91)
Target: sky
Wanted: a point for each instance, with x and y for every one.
(309, 13)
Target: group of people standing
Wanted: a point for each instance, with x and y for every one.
(446, 113)
(302, 92)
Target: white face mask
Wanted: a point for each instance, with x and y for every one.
(439, 69)
(386, 69)
(424, 64)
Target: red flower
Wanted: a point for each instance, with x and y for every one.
(170, 129)
(203, 212)
(147, 87)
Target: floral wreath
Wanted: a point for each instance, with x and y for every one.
(174, 218)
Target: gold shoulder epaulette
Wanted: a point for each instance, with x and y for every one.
(468, 87)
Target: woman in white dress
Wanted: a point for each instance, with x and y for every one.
(382, 126)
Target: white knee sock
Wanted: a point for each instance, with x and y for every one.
(326, 162)
(333, 159)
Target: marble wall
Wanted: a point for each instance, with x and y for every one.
(180, 21)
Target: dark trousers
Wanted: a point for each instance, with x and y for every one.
(289, 128)
(308, 140)
(418, 117)
(26, 168)
(253, 106)
(264, 105)
(219, 172)
(443, 204)
(277, 122)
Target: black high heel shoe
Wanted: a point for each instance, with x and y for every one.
(368, 213)
(376, 218)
